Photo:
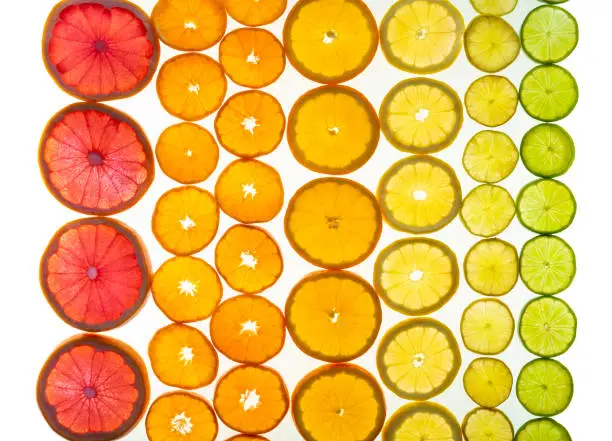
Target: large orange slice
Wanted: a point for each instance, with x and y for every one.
(255, 12)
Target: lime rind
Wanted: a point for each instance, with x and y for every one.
(545, 387)
(494, 7)
(547, 265)
(549, 34)
(546, 206)
(487, 210)
(542, 429)
(548, 93)
(547, 150)
(490, 156)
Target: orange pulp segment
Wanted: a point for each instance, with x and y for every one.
(255, 12)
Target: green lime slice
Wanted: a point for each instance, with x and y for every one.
(491, 43)
(548, 93)
(487, 210)
(554, 2)
(549, 34)
(490, 156)
(547, 150)
(544, 387)
(494, 7)
(546, 206)
(542, 429)
(547, 265)
(547, 327)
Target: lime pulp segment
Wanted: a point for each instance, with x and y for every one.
(548, 93)
(547, 264)
(547, 150)
(542, 429)
(546, 206)
(549, 34)
(545, 387)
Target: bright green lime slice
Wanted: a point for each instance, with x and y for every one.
(494, 7)
(547, 327)
(548, 93)
(490, 156)
(549, 34)
(547, 150)
(547, 265)
(544, 387)
(487, 210)
(491, 43)
(542, 429)
(546, 206)
(554, 2)
(483, 424)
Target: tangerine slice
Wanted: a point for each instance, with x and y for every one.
(338, 402)
(251, 399)
(250, 124)
(93, 388)
(248, 259)
(95, 274)
(99, 50)
(187, 153)
(186, 289)
(333, 316)
(181, 356)
(334, 223)
(333, 129)
(419, 421)
(95, 159)
(255, 12)
(191, 86)
(248, 329)
(330, 41)
(250, 191)
(185, 220)
(252, 57)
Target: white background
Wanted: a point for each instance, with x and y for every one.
(29, 216)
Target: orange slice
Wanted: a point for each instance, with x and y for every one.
(248, 329)
(333, 129)
(255, 12)
(250, 191)
(181, 356)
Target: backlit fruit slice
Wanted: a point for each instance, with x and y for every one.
(334, 223)
(248, 329)
(491, 43)
(330, 41)
(542, 429)
(548, 265)
(98, 50)
(548, 93)
(544, 387)
(549, 34)
(181, 415)
(248, 259)
(191, 86)
(424, 420)
(255, 12)
(185, 220)
(487, 327)
(546, 206)
(487, 210)
(95, 159)
(338, 402)
(416, 276)
(547, 327)
(422, 36)
(247, 438)
(93, 388)
(250, 191)
(186, 289)
(181, 356)
(421, 115)
(494, 7)
(95, 274)
(189, 26)
(491, 267)
(491, 100)
(547, 150)
(490, 156)
(251, 399)
(419, 194)
(483, 424)
(333, 316)
(250, 124)
(333, 129)
(418, 358)
(488, 381)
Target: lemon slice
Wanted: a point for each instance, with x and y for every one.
(488, 381)
(491, 267)
(490, 156)
(545, 387)
(491, 43)
(494, 7)
(491, 100)
(487, 327)
(422, 421)
(487, 210)
(483, 424)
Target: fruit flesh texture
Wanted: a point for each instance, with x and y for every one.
(255, 12)
(542, 429)
(545, 387)
(488, 382)
(548, 265)
(491, 44)
(547, 326)
(546, 206)
(491, 100)
(490, 156)
(423, 420)
(487, 210)
(484, 423)
(487, 327)
(549, 93)
(549, 34)
(491, 267)
(547, 150)
(494, 7)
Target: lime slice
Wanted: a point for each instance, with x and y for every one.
(554, 2)
(491, 267)
(491, 44)
(422, 421)
(490, 156)
(549, 34)
(547, 150)
(487, 210)
(544, 387)
(491, 100)
(548, 265)
(548, 93)
(488, 381)
(547, 327)
(494, 7)
(542, 429)
(487, 424)
(487, 327)
(546, 206)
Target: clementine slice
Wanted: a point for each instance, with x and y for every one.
(255, 12)
(333, 129)
(248, 259)
(95, 159)
(251, 399)
(334, 223)
(93, 388)
(95, 274)
(98, 50)
(248, 329)
(181, 356)
(338, 402)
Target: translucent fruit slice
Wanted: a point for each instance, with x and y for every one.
(242, 437)
(546, 206)
(547, 150)
(490, 156)
(418, 358)
(483, 424)
(549, 34)
(95, 274)
(423, 420)
(422, 36)
(487, 327)
(491, 100)
(494, 7)
(488, 381)
(487, 210)
(333, 316)
(421, 115)
(338, 402)
(548, 265)
(98, 50)
(491, 43)
(416, 276)
(333, 129)
(93, 387)
(95, 159)
(542, 429)
(548, 93)
(491, 267)
(255, 12)
(544, 387)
